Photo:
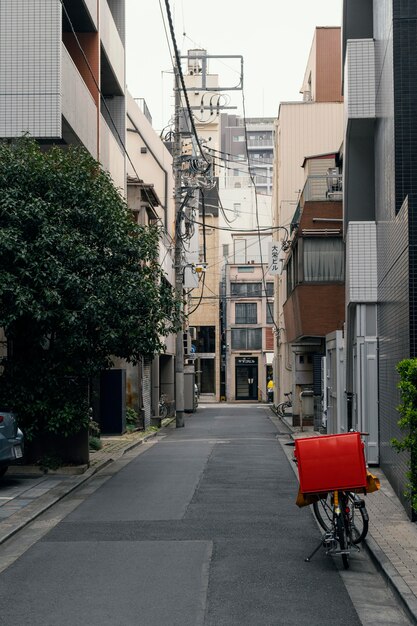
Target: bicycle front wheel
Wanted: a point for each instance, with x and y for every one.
(163, 411)
(358, 518)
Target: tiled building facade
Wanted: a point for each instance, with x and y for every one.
(386, 191)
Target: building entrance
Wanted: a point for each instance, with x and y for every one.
(247, 378)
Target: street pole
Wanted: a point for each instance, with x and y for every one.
(179, 269)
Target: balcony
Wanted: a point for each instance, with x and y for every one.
(112, 45)
(256, 143)
(314, 310)
(325, 193)
(78, 107)
(111, 156)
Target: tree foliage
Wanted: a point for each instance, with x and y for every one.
(79, 282)
(407, 370)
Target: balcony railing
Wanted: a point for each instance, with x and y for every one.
(252, 143)
(319, 189)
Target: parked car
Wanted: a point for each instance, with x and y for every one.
(11, 441)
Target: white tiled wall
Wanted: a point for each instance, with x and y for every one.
(361, 263)
(360, 78)
(30, 68)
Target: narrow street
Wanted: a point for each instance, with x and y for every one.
(198, 527)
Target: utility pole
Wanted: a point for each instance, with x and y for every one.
(178, 260)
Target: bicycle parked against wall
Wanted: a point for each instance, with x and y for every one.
(287, 404)
(163, 406)
(333, 474)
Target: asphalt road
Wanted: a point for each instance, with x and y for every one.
(200, 529)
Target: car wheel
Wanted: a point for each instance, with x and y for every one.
(3, 470)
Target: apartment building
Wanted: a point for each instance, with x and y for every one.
(62, 76)
(380, 205)
(307, 128)
(248, 310)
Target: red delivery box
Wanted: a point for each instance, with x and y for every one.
(330, 462)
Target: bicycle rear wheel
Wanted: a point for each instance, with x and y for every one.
(342, 538)
(358, 515)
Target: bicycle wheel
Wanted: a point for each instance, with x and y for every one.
(281, 408)
(323, 510)
(358, 518)
(163, 411)
(341, 522)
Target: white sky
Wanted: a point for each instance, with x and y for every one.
(273, 36)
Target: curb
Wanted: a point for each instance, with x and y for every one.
(43, 503)
(400, 588)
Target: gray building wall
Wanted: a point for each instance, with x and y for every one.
(394, 276)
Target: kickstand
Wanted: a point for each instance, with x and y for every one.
(308, 558)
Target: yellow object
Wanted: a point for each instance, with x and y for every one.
(270, 384)
(305, 499)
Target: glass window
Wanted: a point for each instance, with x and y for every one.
(206, 339)
(270, 313)
(245, 269)
(246, 313)
(246, 290)
(246, 338)
(323, 260)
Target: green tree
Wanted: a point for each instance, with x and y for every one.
(407, 370)
(79, 282)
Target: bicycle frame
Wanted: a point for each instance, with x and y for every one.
(338, 540)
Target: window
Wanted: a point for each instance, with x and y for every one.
(246, 338)
(270, 289)
(245, 269)
(238, 138)
(246, 290)
(323, 260)
(206, 339)
(236, 208)
(270, 313)
(246, 313)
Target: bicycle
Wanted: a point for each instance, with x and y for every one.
(163, 406)
(340, 512)
(335, 512)
(287, 404)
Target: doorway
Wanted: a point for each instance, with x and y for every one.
(247, 378)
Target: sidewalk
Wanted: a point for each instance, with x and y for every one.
(19, 505)
(392, 537)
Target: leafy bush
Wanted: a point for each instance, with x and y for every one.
(408, 422)
(131, 417)
(94, 443)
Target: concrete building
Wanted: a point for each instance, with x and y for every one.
(150, 196)
(313, 126)
(62, 80)
(248, 330)
(380, 203)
